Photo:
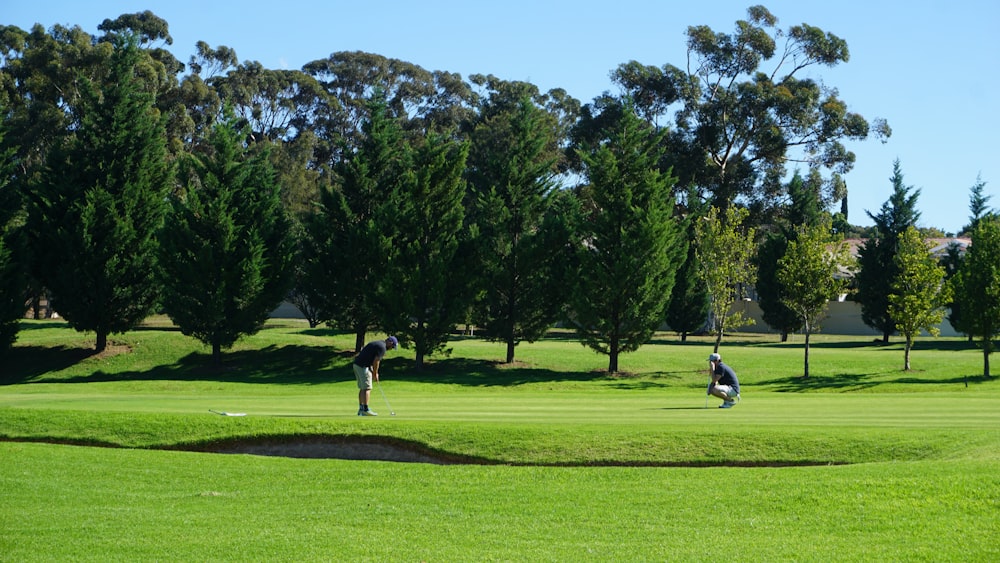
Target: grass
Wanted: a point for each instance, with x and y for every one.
(860, 462)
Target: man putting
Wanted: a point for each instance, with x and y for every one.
(366, 365)
(724, 384)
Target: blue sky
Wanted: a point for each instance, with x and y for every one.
(929, 67)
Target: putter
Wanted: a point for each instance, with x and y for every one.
(379, 385)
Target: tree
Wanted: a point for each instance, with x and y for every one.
(13, 260)
(631, 244)
(878, 269)
(429, 281)
(688, 308)
(227, 251)
(741, 122)
(511, 173)
(101, 200)
(348, 240)
(978, 205)
(919, 295)
(804, 210)
(977, 287)
(726, 249)
(808, 274)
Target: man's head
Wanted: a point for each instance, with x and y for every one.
(391, 343)
(714, 358)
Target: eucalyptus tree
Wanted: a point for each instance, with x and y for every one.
(878, 269)
(977, 286)
(227, 251)
(511, 172)
(100, 200)
(726, 246)
(746, 105)
(809, 275)
(632, 245)
(919, 293)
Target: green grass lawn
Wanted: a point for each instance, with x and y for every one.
(556, 459)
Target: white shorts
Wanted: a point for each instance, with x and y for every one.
(364, 376)
(728, 390)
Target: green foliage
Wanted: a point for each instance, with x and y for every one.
(808, 276)
(977, 287)
(13, 255)
(227, 250)
(878, 269)
(429, 281)
(511, 167)
(688, 308)
(726, 250)
(100, 202)
(919, 295)
(739, 123)
(349, 239)
(631, 244)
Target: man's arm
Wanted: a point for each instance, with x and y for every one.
(375, 365)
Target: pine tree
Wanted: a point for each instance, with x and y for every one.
(631, 246)
(348, 240)
(688, 309)
(227, 248)
(100, 203)
(511, 166)
(876, 257)
(977, 286)
(428, 285)
(13, 281)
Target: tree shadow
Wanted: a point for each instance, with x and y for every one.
(862, 381)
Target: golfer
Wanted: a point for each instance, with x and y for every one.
(724, 384)
(366, 368)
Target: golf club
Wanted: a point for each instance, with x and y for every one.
(379, 385)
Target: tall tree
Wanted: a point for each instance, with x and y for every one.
(348, 240)
(804, 210)
(227, 250)
(100, 202)
(725, 249)
(429, 282)
(878, 269)
(808, 276)
(977, 287)
(511, 175)
(919, 293)
(689, 303)
(631, 246)
(13, 258)
(978, 205)
(745, 109)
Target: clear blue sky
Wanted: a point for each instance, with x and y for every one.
(929, 67)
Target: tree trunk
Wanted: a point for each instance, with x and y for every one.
(419, 361)
(613, 355)
(906, 353)
(510, 351)
(359, 340)
(885, 337)
(805, 370)
(986, 360)
(684, 337)
(216, 354)
(102, 341)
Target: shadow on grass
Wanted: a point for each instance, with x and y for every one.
(860, 382)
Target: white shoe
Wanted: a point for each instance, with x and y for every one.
(727, 404)
(362, 412)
